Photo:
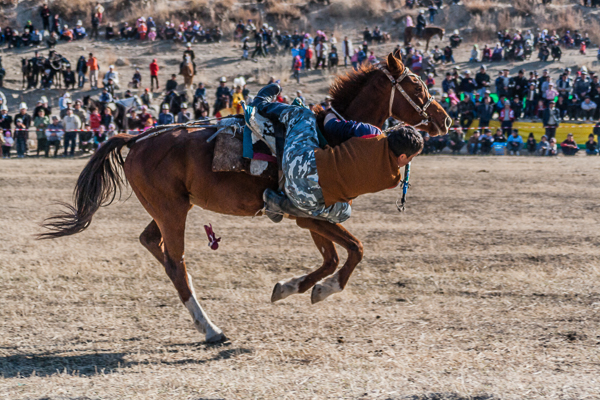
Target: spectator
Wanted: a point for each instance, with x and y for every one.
(543, 146)
(456, 141)
(92, 65)
(551, 119)
(165, 117)
(79, 31)
(95, 119)
(111, 75)
(507, 117)
(132, 123)
(482, 79)
(107, 118)
(428, 146)
(80, 112)
(136, 80)
(109, 31)
(69, 78)
(46, 80)
(45, 14)
(54, 134)
(588, 109)
(473, 143)
(514, 143)
(99, 11)
(95, 27)
(146, 97)
(105, 97)
(499, 136)
(569, 146)
(297, 68)
(22, 123)
(7, 143)
(172, 83)
(100, 137)
(591, 146)
(466, 109)
(82, 69)
(474, 54)
(154, 68)
(184, 115)
(72, 124)
(448, 83)
(5, 119)
(41, 122)
(467, 84)
(531, 144)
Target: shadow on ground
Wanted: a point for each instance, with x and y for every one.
(46, 364)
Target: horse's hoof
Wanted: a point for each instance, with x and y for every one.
(277, 293)
(324, 289)
(217, 338)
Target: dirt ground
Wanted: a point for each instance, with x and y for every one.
(487, 288)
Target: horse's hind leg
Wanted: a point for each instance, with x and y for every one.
(151, 239)
(302, 283)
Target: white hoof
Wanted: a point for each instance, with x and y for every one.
(287, 288)
(216, 337)
(325, 288)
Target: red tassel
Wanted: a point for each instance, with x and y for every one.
(213, 240)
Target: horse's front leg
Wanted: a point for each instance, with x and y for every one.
(338, 234)
(301, 284)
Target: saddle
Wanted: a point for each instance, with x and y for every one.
(255, 147)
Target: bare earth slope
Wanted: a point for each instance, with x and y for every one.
(487, 286)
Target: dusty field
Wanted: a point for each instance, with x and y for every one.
(486, 288)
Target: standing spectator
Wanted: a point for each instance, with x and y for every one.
(54, 134)
(467, 84)
(531, 99)
(80, 112)
(41, 122)
(7, 143)
(485, 111)
(22, 123)
(45, 14)
(5, 119)
(588, 109)
(591, 146)
(92, 65)
(297, 68)
(346, 50)
(154, 68)
(482, 79)
(146, 97)
(531, 144)
(551, 120)
(107, 118)
(308, 57)
(95, 27)
(95, 119)
(72, 124)
(82, 69)
(507, 117)
(569, 146)
(514, 143)
(172, 83)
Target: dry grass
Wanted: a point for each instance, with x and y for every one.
(480, 6)
(525, 7)
(487, 286)
(560, 19)
(75, 9)
(282, 11)
(353, 8)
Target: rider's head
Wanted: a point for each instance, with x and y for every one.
(405, 142)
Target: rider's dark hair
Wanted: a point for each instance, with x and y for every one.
(404, 140)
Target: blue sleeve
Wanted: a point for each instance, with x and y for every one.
(344, 130)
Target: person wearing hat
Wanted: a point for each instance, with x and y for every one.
(184, 115)
(189, 52)
(72, 124)
(172, 83)
(111, 74)
(224, 97)
(165, 116)
(54, 134)
(455, 39)
(154, 68)
(582, 85)
(550, 94)
(519, 84)
(41, 122)
(42, 104)
(467, 84)
(79, 31)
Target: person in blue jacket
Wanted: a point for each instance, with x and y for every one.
(514, 143)
(165, 117)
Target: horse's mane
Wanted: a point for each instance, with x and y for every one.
(347, 86)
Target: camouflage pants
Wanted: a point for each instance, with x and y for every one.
(300, 166)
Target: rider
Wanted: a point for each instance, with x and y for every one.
(319, 183)
(421, 22)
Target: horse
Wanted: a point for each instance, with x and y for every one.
(174, 101)
(428, 33)
(31, 69)
(185, 178)
(200, 105)
(187, 70)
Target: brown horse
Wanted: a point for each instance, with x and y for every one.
(171, 172)
(429, 32)
(187, 70)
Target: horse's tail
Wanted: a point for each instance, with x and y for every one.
(98, 185)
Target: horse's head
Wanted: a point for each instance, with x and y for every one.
(86, 101)
(410, 101)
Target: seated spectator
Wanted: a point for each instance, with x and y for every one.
(54, 134)
(514, 143)
(473, 143)
(46, 80)
(36, 38)
(531, 144)
(79, 31)
(428, 146)
(591, 146)
(69, 78)
(569, 146)
(456, 139)
(573, 108)
(474, 54)
(136, 80)
(52, 40)
(67, 34)
(111, 74)
(165, 116)
(485, 142)
(499, 136)
(107, 118)
(543, 146)
(132, 123)
(588, 109)
(552, 147)
(110, 31)
(99, 137)
(105, 97)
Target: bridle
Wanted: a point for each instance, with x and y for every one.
(396, 84)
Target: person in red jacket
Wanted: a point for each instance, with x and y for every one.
(308, 57)
(95, 119)
(154, 74)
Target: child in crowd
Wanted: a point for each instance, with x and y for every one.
(591, 146)
(7, 142)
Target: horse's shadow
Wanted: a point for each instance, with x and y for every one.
(49, 363)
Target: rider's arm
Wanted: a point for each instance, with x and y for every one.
(344, 130)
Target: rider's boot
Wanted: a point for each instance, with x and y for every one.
(277, 204)
(266, 95)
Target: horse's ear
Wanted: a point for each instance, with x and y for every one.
(394, 65)
(398, 54)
